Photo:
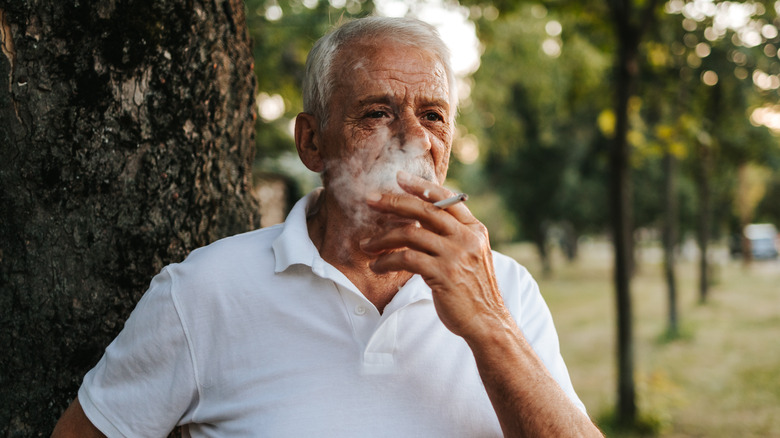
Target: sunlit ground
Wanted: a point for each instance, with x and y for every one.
(721, 379)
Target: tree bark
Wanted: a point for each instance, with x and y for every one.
(705, 145)
(126, 140)
(629, 29)
(703, 218)
(670, 239)
(620, 200)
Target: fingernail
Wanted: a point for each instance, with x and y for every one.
(403, 176)
(373, 196)
(363, 242)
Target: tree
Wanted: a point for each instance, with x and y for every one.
(283, 32)
(126, 133)
(533, 109)
(709, 76)
(727, 64)
(670, 233)
(629, 26)
(536, 133)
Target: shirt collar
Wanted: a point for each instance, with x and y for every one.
(293, 245)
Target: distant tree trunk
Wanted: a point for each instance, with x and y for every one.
(750, 190)
(569, 241)
(745, 245)
(540, 239)
(670, 233)
(704, 149)
(620, 196)
(703, 217)
(126, 140)
(628, 34)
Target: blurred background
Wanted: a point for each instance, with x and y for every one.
(579, 118)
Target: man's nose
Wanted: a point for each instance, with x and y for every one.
(412, 133)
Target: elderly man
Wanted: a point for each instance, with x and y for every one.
(370, 311)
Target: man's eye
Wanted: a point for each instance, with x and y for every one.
(433, 117)
(376, 114)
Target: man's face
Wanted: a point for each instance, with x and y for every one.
(389, 111)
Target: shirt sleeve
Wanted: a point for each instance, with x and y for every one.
(145, 383)
(525, 301)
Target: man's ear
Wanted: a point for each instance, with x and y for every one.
(306, 138)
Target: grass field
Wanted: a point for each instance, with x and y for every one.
(721, 378)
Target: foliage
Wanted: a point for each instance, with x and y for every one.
(535, 112)
(708, 72)
(283, 33)
(769, 208)
(543, 120)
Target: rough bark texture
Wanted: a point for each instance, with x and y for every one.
(125, 141)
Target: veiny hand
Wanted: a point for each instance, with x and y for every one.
(449, 248)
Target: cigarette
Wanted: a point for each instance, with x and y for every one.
(449, 202)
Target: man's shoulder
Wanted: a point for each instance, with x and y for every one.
(239, 244)
(517, 284)
(250, 248)
(506, 265)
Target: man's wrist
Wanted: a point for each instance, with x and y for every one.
(492, 330)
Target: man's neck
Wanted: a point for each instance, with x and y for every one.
(337, 238)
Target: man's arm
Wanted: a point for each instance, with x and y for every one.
(526, 398)
(450, 250)
(74, 423)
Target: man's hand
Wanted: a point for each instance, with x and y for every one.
(448, 247)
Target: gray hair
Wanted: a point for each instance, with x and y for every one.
(319, 78)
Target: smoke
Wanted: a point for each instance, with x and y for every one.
(373, 168)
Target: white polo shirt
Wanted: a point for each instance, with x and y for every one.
(256, 335)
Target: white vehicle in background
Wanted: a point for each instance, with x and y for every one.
(763, 240)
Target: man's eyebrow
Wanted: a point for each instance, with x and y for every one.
(440, 102)
(387, 99)
(375, 98)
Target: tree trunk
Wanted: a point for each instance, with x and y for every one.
(751, 187)
(540, 239)
(126, 140)
(670, 239)
(628, 34)
(569, 241)
(620, 200)
(703, 218)
(629, 28)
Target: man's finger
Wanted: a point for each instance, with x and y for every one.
(432, 192)
(410, 207)
(406, 260)
(412, 236)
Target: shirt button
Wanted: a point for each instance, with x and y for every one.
(360, 310)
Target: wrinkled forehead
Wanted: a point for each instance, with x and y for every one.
(359, 63)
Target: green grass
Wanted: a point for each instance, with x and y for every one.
(719, 378)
